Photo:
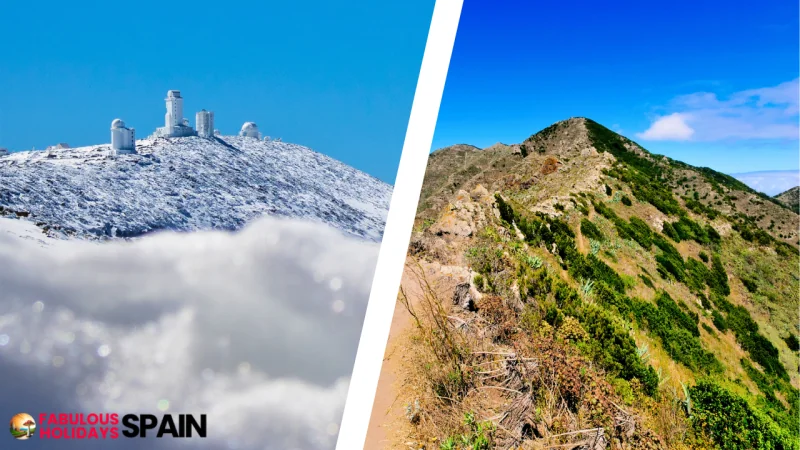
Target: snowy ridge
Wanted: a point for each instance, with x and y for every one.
(188, 184)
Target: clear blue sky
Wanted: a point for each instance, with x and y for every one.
(338, 77)
(519, 66)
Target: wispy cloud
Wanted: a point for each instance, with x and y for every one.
(763, 113)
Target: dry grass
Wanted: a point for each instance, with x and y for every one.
(535, 389)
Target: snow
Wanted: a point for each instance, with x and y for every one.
(188, 184)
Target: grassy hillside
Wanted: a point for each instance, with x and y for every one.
(621, 297)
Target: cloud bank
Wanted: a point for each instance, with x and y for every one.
(770, 182)
(257, 329)
(763, 113)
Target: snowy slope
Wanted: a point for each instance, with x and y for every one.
(187, 184)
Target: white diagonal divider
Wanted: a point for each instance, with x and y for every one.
(399, 223)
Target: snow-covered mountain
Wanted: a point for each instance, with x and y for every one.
(187, 184)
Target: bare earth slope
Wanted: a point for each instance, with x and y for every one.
(791, 198)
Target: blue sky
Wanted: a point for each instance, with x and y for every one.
(338, 77)
(710, 83)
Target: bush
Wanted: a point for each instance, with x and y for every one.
(719, 321)
(689, 230)
(697, 275)
(750, 284)
(647, 281)
(485, 260)
(641, 232)
(626, 200)
(590, 230)
(718, 282)
(678, 333)
(589, 267)
(730, 422)
(615, 350)
(760, 348)
(636, 229)
(703, 257)
(674, 314)
(670, 232)
(792, 342)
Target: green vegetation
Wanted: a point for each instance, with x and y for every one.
(732, 423)
(760, 348)
(590, 230)
(477, 436)
(606, 316)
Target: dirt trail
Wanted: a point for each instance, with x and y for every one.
(388, 410)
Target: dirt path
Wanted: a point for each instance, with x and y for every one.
(388, 410)
(384, 411)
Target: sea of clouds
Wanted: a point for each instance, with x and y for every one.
(258, 329)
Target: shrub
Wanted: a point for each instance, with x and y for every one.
(626, 200)
(485, 260)
(669, 261)
(712, 234)
(750, 284)
(697, 275)
(641, 232)
(703, 257)
(615, 350)
(760, 348)
(636, 229)
(678, 333)
(674, 314)
(647, 281)
(589, 267)
(590, 230)
(719, 321)
(689, 230)
(718, 282)
(731, 423)
(670, 232)
(792, 341)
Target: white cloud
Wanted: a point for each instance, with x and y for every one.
(668, 128)
(257, 329)
(763, 113)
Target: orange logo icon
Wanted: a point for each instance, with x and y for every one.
(22, 426)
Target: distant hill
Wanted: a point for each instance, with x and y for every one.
(612, 295)
(791, 198)
(187, 184)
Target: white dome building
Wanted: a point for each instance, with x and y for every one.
(250, 129)
(123, 139)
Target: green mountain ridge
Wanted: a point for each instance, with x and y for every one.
(674, 284)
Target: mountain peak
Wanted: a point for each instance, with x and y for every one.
(187, 184)
(568, 137)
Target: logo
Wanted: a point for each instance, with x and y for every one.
(107, 426)
(22, 426)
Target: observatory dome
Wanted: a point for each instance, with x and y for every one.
(117, 123)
